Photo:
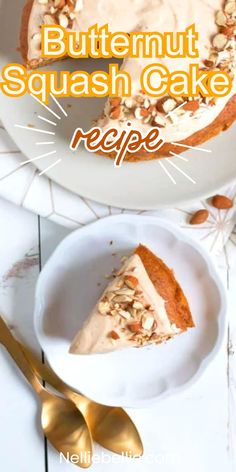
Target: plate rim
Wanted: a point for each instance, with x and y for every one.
(214, 274)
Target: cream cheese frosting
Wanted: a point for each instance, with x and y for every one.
(143, 15)
(138, 15)
(115, 324)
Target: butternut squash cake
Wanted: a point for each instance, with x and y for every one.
(198, 119)
(144, 304)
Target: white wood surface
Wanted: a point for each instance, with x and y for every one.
(194, 431)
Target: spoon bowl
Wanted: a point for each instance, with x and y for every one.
(62, 423)
(111, 427)
(63, 427)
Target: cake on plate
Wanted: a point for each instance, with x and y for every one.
(198, 119)
(143, 304)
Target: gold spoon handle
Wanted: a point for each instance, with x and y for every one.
(42, 371)
(11, 344)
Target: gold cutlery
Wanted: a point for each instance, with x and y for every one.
(111, 427)
(62, 422)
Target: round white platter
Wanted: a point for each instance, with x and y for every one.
(144, 185)
(74, 278)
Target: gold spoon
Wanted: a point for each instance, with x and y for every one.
(111, 427)
(63, 424)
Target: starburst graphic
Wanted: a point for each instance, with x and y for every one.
(169, 165)
(47, 132)
(219, 227)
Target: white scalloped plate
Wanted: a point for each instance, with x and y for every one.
(144, 185)
(69, 286)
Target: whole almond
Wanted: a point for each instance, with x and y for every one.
(222, 202)
(199, 217)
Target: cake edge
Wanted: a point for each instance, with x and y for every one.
(181, 316)
(223, 121)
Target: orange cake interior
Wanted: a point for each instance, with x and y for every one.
(143, 304)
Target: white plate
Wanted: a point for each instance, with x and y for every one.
(135, 186)
(68, 288)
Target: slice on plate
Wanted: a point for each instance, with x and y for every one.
(144, 304)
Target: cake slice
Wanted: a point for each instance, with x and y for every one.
(144, 304)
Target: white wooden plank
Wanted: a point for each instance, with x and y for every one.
(232, 368)
(186, 432)
(22, 444)
(51, 235)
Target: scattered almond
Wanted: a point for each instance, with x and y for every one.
(154, 337)
(110, 296)
(114, 335)
(125, 314)
(144, 112)
(199, 217)
(122, 299)
(115, 102)
(138, 305)
(192, 105)
(131, 281)
(134, 327)
(115, 113)
(219, 41)
(228, 31)
(208, 63)
(212, 102)
(230, 7)
(59, 3)
(222, 202)
(147, 322)
(220, 18)
(166, 105)
(129, 102)
(124, 291)
(104, 308)
(63, 20)
(78, 5)
(49, 19)
(158, 121)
